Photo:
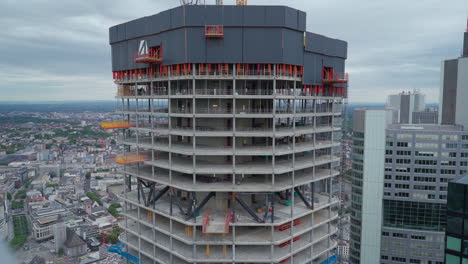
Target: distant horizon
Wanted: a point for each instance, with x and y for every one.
(95, 101)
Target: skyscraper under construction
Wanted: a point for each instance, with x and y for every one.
(231, 124)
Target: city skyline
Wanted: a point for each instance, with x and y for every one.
(58, 46)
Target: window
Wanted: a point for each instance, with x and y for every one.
(403, 153)
(425, 171)
(454, 224)
(403, 161)
(403, 144)
(427, 137)
(400, 235)
(398, 259)
(425, 179)
(424, 187)
(426, 154)
(388, 177)
(456, 200)
(445, 171)
(451, 259)
(453, 243)
(404, 136)
(402, 186)
(401, 194)
(449, 145)
(426, 162)
(402, 178)
(414, 215)
(449, 137)
(427, 145)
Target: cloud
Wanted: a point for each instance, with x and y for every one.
(56, 50)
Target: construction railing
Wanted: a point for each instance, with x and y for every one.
(208, 69)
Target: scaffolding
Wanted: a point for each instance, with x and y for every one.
(330, 76)
(153, 55)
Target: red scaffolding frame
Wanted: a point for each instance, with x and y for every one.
(154, 55)
(214, 31)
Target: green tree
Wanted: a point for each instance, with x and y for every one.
(17, 241)
(94, 197)
(60, 252)
(9, 196)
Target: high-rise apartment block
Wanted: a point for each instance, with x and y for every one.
(231, 127)
(411, 108)
(407, 220)
(456, 249)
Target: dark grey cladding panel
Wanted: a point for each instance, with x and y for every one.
(293, 52)
(233, 16)
(160, 22)
(291, 16)
(194, 15)
(121, 32)
(324, 45)
(177, 17)
(301, 20)
(275, 16)
(280, 16)
(132, 47)
(123, 55)
(214, 16)
(115, 54)
(196, 47)
(465, 45)
(174, 46)
(313, 64)
(262, 45)
(137, 28)
(254, 15)
(112, 34)
(225, 50)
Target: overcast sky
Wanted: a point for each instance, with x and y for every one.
(58, 50)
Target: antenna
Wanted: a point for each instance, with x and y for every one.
(192, 2)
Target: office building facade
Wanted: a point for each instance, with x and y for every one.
(420, 160)
(456, 249)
